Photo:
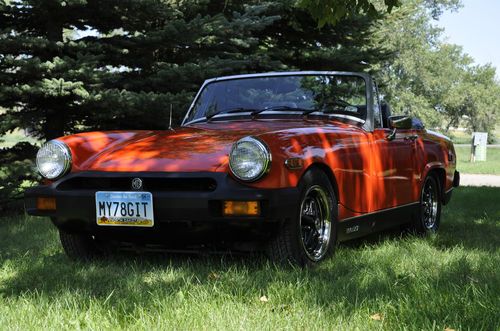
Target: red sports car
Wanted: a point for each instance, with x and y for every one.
(290, 163)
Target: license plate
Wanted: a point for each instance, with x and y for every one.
(124, 209)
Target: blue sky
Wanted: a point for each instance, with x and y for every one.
(476, 27)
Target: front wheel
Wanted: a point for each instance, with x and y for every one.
(429, 215)
(310, 237)
(80, 247)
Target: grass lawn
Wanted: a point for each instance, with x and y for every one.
(386, 282)
(464, 137)
(459, 137)
(13, 138)
(490, 166)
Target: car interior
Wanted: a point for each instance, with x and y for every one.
(386, 113)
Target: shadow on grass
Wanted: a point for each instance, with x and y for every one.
(471, 220)
(381, 268)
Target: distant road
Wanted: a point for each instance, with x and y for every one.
(479, 180)
(468, 145)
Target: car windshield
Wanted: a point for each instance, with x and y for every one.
(339, 94)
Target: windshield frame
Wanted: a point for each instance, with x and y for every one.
(368, 124)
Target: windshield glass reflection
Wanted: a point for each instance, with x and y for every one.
(342, 94)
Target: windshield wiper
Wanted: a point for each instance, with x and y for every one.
(229, 111)
(309, 111)
(254, 112)
(336, 106)
(279, 108)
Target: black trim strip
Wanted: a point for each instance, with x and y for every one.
(378, 211)
(360, 226)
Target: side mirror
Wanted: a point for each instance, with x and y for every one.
(402, 122)
(398, 122)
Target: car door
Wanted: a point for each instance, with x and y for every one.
(394, 166)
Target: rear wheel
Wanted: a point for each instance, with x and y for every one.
(79, 246)
(429, 215)
(310, 237)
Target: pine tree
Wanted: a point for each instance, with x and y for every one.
(79, 65)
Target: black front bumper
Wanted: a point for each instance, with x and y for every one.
(173, 203)
(456, 179)
(456, 183)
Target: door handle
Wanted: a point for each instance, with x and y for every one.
(412, 137)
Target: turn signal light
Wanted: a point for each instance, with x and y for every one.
(294, 163)
(241, 208)
(46, 203)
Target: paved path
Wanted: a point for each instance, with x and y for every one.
(468, 145)
(479, 180)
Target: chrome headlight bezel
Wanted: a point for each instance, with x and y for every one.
(262, 148)
(65, 154)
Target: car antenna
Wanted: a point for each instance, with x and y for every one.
(170, 120)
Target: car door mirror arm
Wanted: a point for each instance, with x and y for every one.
(392, 135)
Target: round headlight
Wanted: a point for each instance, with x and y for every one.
(249, 159)
(53, 159)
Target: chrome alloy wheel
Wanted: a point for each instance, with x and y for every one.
(315, 222)
(429, 205)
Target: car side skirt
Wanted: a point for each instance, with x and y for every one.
(359, 226)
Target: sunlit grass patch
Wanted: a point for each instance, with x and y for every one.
(390, 281)
(490, 166)
(12, 138)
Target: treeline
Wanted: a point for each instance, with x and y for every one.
(78, 65)
(430, 78)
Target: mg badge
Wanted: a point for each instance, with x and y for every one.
(136, 184)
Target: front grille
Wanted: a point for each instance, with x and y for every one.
(149, 184)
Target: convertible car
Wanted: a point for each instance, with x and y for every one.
(288, 163)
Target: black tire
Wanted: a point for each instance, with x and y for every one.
(79, 247)
(428, 217)
(295, 241)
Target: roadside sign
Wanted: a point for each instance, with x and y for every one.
(479, 146)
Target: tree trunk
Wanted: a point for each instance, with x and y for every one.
(54, 115)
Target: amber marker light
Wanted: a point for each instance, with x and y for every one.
(46, 203)
(241, 208)
(294, 163)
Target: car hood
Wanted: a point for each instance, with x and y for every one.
(202, 147)
(186, 149)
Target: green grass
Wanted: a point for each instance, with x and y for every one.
(13, 138)
(459, 137)
(448, 280)
(465, 137)
(490, 166)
